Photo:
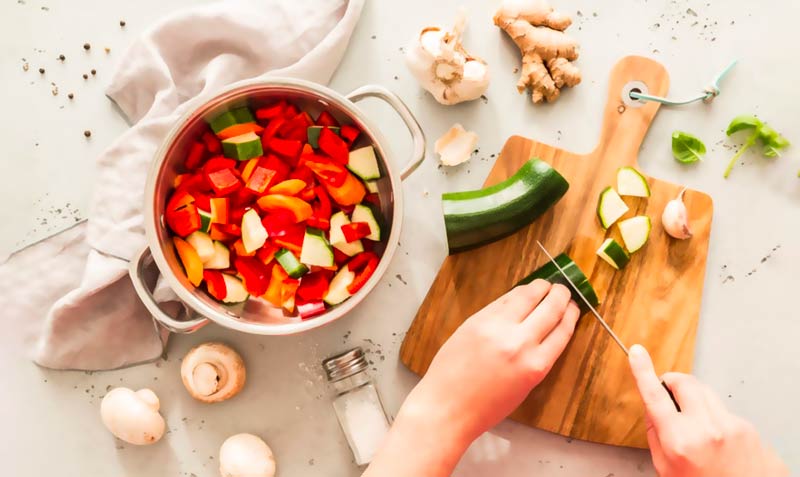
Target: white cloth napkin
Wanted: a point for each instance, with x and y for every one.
(70, 296)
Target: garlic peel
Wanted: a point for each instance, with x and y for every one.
(213, 372)
(675, 218)
(133, 416)
(443, 67)
(456, 145)
(246, 455)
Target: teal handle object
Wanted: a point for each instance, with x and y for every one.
(708, 95)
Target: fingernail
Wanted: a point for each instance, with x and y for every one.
(637, 351)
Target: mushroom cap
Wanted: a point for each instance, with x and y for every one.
(246, 455)
(133, 416)
(213, 372)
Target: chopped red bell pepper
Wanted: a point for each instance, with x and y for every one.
(271, 112)
(270, 131)
(255, 274)
(349, 133)
(230, 229)
(300, 209)
(313, 286)
(219, 210)
(331, 144)
(180, 198)
(202, 201)
(212, 142)
(218, 163)
(363, 276)
(220, 235)
(321, 215)
(296, 128)
(355, 231)
(290, 111)
(281, 168)
(193, 183)
(360, 260)
(326, 119)
(194, 158)
(310, 308)
(242, 199)
(260, 180)
(224, 181)
(278, 223)
(184, 220)
(215, 284)
(292, 239)
(373, 198)
(339, 257)
(267, 252)
(327, 171)
(288, 148)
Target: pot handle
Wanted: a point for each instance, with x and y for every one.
(136, 271)
(417, 136)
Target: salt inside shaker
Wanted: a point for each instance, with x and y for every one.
(357, 404)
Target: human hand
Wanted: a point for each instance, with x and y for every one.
(495, 358)
(703, 439)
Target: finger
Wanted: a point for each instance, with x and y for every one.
(716, 408)
(657, 402)
(689, 393)
(553, 344)
(544, 318)
(654, 444)
(517, 303)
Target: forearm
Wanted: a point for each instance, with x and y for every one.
(423, 441)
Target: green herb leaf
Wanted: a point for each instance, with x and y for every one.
(772, 141)
(687, 148)
(743, 122)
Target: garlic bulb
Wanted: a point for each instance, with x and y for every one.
(213, 372)
(675, 218)
(456, 145)
(441, 65)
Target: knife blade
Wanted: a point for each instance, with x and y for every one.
(600, 318)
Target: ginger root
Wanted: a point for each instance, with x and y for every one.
(547, 52)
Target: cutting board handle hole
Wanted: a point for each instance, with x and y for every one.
(633, 87)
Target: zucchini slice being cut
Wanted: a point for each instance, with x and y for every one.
(635, 232)
(549, 272)
(632, 183)
(610, 207)
(478, 217)
(612, 252)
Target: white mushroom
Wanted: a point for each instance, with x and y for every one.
(133, 415)
(456, 145)
(439, 62)
(246, 455)
(213, 372)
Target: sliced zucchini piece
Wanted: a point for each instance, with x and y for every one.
(372, 186)
(205, 220)
(632, 183)
(363, 163)
(253, 232)
(337, 236)
(610, 207)
(362, 213)
(222, 121)
(549, 272)
(612, 252)
(337, 290)
(316, 249)
(235, 290)
(635, 232)
(243, 147)
(290, 263)
(243, 115)
(478, 217)
(203, 244)
(221, 259)
(314, 132)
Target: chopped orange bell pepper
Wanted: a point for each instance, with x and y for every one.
(238, 247)
(300, 209)
(190, 260)
(249, 166)
(288, 187)
(239, 129)
(273, 294)
(288, 291)
(352, 192)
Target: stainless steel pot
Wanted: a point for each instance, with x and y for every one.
(256, 315)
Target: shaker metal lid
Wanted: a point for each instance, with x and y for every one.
(345, 365)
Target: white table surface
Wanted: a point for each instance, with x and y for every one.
(746, 345)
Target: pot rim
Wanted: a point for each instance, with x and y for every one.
(230, 319)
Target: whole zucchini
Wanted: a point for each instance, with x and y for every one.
(478, 217)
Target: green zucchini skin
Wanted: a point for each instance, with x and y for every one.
(474, 218)
(549, 272)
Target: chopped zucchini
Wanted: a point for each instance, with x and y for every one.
(549, 272)
(222, 121)
(337, 290)
(362, 213)
(235, 290)
(205, 220)
(221, 259)
(314, 132)
(337, 236)
(612, 252)
(610, 207)
(290, 264)
(372, 186)
(253, 232)
(243, 147)
(203, 244)
(316, 249)
(632, 183)
(363, 163)
(243, 115)
(635, 232)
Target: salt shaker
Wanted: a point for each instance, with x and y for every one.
(357, 404)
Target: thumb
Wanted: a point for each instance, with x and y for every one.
(657, 402)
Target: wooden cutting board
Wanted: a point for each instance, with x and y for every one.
(654, 301)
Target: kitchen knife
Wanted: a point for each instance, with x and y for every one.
(598, 317)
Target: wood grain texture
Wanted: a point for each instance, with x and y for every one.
(654, 301)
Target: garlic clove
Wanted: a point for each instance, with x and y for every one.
(456, 145)
(213, 372)
(675, 218)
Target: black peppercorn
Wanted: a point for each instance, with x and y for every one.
(87, 133)
(41, 70)
(94, 72)
(62, 57)
(122, 23)
(85, 76)
(70, 96)
(86, 46)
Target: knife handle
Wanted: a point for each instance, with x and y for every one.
(671, 396)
